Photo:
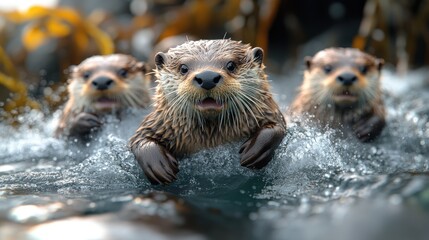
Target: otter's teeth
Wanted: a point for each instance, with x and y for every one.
(209, 104)
(105, 103)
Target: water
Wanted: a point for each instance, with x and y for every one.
(317, 186)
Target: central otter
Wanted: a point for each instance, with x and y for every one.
(341, 89)
(102, 85)
(209, 92)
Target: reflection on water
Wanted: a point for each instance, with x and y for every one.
(317, 186)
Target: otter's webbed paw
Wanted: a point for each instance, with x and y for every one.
(83, 124)
(159, 166)
(368, 129)
(258, 151)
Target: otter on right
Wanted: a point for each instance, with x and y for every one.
(341, 89)
(209, 92)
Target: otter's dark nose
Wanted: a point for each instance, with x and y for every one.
(347, 79)
(207, 79)
(102, 83)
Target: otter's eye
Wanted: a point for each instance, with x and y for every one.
(231, 66)
(183, 69)
(327, 68)
(123, 72)
(86, 75)
(363, 69)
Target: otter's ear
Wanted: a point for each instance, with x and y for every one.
(72, 69)
(258, 55)
(307, 61)
(143, 67)
(380, 63)
(160, 59)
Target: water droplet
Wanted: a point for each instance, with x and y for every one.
(253, 216)
(395, 199)
(273, 204)
(327, 193)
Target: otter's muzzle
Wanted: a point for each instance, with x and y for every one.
(207, 79)
(102, 83)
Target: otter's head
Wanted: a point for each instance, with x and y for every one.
(109, 83)
(342, 77)
(209, 78)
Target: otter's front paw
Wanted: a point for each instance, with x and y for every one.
(369, 128)
(258, 151)
(84, 123)
(159, 166)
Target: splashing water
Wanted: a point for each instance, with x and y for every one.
(317, 186)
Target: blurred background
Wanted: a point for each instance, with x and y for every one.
(40, 39)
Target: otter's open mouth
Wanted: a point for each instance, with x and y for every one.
(345, 96)
(104, 103)
(209, 104)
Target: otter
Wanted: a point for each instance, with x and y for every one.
(101, 85)
(209, 92)
(341, 89)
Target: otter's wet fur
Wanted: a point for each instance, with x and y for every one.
(341, 89)
(209, 92)
(101, 85)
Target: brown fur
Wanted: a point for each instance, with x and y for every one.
(184, 130)
(130, 88)
(180, 125)
(319, 95)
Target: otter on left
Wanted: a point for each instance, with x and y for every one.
(102, 85)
